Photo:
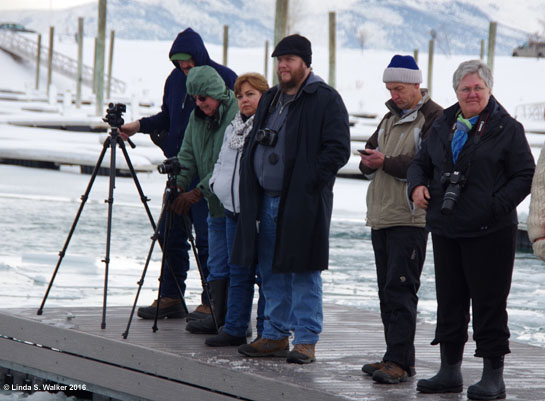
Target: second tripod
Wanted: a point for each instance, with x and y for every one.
(171, 167)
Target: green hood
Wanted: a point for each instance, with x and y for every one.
(205, 81)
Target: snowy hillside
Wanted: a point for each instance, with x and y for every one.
(402, 25)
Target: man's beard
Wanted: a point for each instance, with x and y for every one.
(297, 77)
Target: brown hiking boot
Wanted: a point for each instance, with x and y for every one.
(171, 308)
(390, 373)
(371, 368)
(200, 312)
(266, 347)
(302, 353)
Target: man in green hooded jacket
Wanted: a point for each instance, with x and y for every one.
(216, 108)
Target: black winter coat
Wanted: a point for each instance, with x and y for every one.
(499, 170)
(317, 146)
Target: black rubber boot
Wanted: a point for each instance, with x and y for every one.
(449, 378)
(218, 292)
(491, 386)
(224, 339)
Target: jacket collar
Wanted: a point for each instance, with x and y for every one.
(492, 108)
(310, 86)
(396, 110)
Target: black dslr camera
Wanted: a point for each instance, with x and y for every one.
(170, 166)
(113, 114)
(455, 181)
(266, 137)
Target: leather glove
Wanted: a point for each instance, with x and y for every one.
(185, 200)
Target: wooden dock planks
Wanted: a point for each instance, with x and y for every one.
(172, 364)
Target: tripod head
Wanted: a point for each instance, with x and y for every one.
(172, 168)
(113, 115)
(114, 119)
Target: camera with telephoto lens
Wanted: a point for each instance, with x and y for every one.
(455, 181)
(170, 166)
(113, 114)
(266, 137)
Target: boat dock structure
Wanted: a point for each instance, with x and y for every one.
(68, 347)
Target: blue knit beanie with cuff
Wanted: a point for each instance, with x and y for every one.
(402, 69)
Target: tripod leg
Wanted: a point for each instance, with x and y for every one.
(161, 278)
(204, 282)
(169, 196)
(143, 197)
(84, 198)
(110, 202)
(168, 226)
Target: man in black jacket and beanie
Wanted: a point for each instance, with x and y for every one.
(299, 141)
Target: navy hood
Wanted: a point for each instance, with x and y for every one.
(189, 41)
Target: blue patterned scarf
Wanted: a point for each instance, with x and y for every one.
(463, 126)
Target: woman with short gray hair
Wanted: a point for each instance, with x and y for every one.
(470, 175)
(473, 67)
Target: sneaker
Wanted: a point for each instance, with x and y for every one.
(200, 312)
(390, 373)
(302, 353)
(171, 308)
(371, 368)
(266, 347)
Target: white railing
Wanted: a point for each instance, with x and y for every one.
(531, 111)
(27, 48)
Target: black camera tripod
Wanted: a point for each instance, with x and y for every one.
(113, 118)
(172, 168)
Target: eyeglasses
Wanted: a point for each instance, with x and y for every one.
(200, 98)
(467, 90)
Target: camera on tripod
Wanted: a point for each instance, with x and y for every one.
(170, 166)
(455, 181)
(113, 114)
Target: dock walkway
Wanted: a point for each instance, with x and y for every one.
(68, 346)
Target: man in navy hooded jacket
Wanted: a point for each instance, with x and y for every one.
(167, 131)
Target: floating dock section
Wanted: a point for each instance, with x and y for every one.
(67, 346)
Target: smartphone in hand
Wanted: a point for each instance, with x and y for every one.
(364, 152)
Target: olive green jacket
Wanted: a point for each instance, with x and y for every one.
(204, 135)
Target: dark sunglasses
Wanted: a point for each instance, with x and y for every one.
(200, 98)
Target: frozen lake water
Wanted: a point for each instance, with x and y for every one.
(37, 208)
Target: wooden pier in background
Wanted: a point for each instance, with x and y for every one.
(67, 345)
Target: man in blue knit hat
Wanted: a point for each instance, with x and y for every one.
(397, 228)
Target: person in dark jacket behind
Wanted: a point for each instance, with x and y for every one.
(167, 131)
(300, 139)
(470, 174)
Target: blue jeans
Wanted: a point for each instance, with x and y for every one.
(293, 301)
(218, 267)
(241, 291)
(177, 249)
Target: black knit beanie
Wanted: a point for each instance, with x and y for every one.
(294, 44)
